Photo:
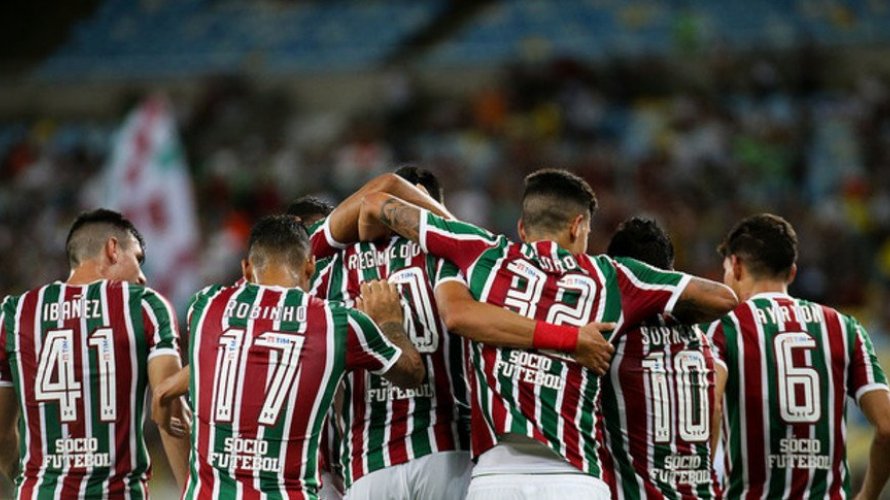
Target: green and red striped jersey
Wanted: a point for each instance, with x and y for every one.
(791, 364)
(544, 396)
(384, 425)
(265, 363)
(657, 403)
(77, 357)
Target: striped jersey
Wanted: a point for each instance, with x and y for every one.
(544, 396)
(384, 425)
(657, 403)
(77, 357)
(790, 366)
(265, 363)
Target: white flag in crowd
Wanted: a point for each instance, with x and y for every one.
(147, 179)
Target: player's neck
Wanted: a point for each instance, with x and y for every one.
(278, 276)
(753, 288)
(561, 239)
(85, 273)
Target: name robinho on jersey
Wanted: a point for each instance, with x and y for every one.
(245, 310)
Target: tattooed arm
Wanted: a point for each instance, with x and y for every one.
(343, 221)
(396, 214)
(703, 301)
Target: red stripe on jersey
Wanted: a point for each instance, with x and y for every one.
(398, 448)
(77, 429)
(123, 372)
(309, 384)
(207, 350)
(28, 355)
(571, 399)
(358, 440)
(444, 398)
(838, 361)
(754, 391)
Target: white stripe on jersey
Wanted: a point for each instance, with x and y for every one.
(66, 467)
(325, 382)
(125, 297)
(112, 426)
(85, 381)
(764, 384)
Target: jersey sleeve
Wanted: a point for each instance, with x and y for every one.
(716, 337)
(460, 242)
(161, 326)
(5, 370)
(367, 347)
(647, 290)
(322, 241)
(320, 283)
(446, 271)
(864, 372)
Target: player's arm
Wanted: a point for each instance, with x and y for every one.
(176, 444)
(343, 221)
(380, 300)
(162, 332)
(875, 405)
(703, 301)
(164, 399)
(9, 437)
(494, 325)
(460, 242)
(717, 416)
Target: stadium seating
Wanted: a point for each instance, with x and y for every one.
(183, 38)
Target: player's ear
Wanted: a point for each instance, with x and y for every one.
(792, 273)
(111, 249)
(575, 231)
(520, 228)
(309, 268)
(738, 269)
(247, 270)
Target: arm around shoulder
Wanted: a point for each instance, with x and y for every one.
(703, 301)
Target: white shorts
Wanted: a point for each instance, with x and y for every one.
(537, 487)
(439, 476)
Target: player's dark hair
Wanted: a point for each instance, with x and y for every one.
(91, 230)
(309, 209)
(766, 243)
(419, 175)
(644, 240)
(554, 197)
(280, 238)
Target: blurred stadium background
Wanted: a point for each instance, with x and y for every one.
(696, 112)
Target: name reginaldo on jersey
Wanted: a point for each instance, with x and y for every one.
(265, 363)
(385, 425)
(657, 403)
(77, 357)
(791, 365)
(544, 396)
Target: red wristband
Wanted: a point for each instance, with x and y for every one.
(556, 337)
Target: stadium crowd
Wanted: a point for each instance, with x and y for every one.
(697, 151)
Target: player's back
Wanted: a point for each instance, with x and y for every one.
(547, 396)
(77, 357)
(385, 425)
(790, 365)
(265, 363)
(657, 402)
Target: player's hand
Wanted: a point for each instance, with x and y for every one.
(380, 300)
(594, 351)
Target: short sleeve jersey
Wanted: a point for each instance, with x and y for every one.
(790, 364)
(384, 425)
(545, 396)
(265, 365)
(77, 357)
